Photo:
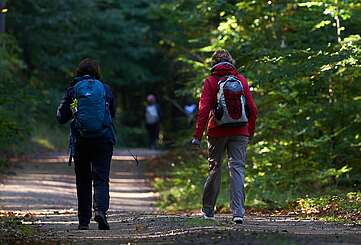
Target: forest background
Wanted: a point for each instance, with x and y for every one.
(301, 58)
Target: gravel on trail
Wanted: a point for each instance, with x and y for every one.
(151, 228)
(42, 190)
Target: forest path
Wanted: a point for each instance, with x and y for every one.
(43, 191)
(46, 184)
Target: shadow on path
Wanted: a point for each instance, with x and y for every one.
(45, 187)
(46, 184)
(143, 228)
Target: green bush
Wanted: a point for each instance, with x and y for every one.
(181, 188)
(15, 103)
(131, 136)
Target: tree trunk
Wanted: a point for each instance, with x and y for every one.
(2, 18)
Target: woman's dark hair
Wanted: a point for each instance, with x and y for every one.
(88, 67)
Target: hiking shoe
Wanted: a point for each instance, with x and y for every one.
(83, 227)
(208, 213)
(101, 219)
(238, 220)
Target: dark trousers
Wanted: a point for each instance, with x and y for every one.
(153, 134)
(92, 165)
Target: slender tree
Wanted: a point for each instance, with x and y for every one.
(2, 17)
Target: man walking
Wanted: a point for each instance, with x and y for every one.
(152, 121)
(226, 104)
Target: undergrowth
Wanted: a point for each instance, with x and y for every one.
(12, 228)
(334, 206)
(182, 173)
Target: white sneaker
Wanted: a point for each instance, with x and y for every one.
(238, 220)
(208, 215)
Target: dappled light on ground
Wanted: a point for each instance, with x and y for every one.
(47, 184)
(146, 228)
(42, 194)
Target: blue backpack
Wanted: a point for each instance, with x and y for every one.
(91, 114)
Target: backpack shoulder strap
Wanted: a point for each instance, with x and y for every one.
(220, 83)
(218, 79)
(104, 89)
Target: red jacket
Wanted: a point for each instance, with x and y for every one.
(208, 100)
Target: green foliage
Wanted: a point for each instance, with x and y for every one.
(12, 228)
(53, 37)
(131, 137)
(302, 60)
(18, 128)
(14, 102)
(42, 140)
(339, 206)
(60, 34)
(182, 187)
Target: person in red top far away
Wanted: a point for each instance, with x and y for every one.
(229, 132)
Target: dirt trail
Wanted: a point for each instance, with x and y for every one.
(151, 228)
(46, 184)
(45, 187)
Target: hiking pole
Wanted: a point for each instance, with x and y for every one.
(71, 149)
(135, 157)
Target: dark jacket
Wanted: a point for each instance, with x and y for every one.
(208, 101)
(64, 113)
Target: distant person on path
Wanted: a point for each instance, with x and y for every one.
(91, 106)
(190, 110)
(226, 104)
(152, 120)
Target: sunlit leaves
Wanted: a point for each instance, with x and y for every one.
(322, 24)
(305, 77)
